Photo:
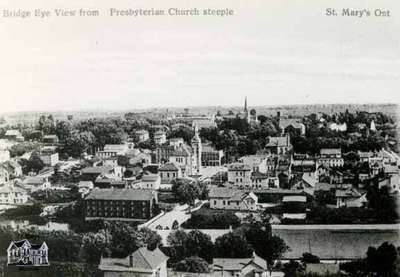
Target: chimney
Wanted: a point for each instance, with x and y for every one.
(130, 260)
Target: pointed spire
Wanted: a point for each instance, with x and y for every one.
(245, 104)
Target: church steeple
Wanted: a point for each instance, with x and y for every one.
(245, 104)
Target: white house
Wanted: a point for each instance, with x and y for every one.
(111, 150)
(37, 183)
(239, 174)
(257, 163)
(24, 253)
(142, 135)
(338, 127)
(254, 266)
(350, 198)
(150, 181)
(232, 199)
(331, 157)
(141, 263)
(12, 194)
(84, 187)
(160, 137)
(4, 174)
(49, 155)
(4, 155)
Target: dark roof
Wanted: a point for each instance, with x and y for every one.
(236, 264)
(168, 167)
(120, 194)
(19, 243)
(258, 175)
(180, 152)
(238, 166)
(96, 169)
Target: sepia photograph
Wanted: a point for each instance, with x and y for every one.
(172, 138)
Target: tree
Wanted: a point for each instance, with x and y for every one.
(187, 190)
(260, 237)
(63, 130)
(94, 245)
(292, 269)
(199, 244)
(46, 124)
(184, 132)
(382, 202)
(382, 260)
(125, 239)
(78, 143)
(193, 264)
(194, 243)
(151, 238)
(232, 246)
(309, 258)
(34, 164)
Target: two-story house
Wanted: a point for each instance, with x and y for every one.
(239, 175)
(12, 194)
(150, 181)
(169, 172)
(331, 157)
(23, 253)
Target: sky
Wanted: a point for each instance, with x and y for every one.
(273, 52)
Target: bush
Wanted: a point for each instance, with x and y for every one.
(212, 219)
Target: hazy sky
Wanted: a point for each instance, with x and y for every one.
(275, 52)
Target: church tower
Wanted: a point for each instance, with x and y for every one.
(196, 145)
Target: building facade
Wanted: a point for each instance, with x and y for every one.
(122, 204)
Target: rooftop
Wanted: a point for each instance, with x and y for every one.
(168, 167)
(142, 260)
(330, 151)
(295, 198)
(150, 178)
(96, 169)
(238, 166)
(120, 194)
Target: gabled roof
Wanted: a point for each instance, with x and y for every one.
(180, 152)
(168, 167)
(237, 264)
(143, 260)
(239, 166)
(35, 180)
(8, 188)
(150, 178)
(307, 178)
(349, 193)
(13, 133)
(96, 169)
(283, 123)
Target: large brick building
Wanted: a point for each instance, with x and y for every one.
(122, 204)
